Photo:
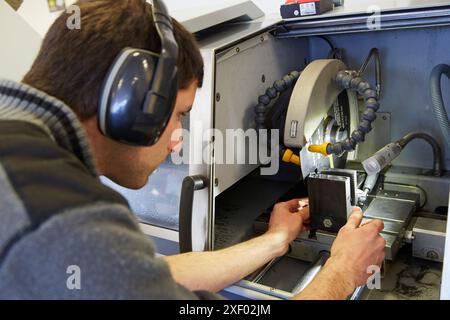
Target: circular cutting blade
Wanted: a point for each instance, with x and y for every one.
(319, 111)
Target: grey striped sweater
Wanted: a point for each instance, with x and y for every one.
(63, 234)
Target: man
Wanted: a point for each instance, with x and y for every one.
(64, 235)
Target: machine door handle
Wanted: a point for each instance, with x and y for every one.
(190, 185)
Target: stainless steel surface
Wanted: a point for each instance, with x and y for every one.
(396, 214)
(307, 249)
(352, 174)
(358, 293)
(285, 274)
(401, 191)
(158, 232)
(264, 270)
(437, 189)
(391, 227)
(312, 272)
(393, 244)
(252, 293)
(395, 209)
(403, 188)
(429, 239)
(200, 115)
(273, 293)
(390, 209)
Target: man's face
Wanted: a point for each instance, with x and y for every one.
(132, 166)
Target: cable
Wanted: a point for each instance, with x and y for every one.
(334, 52)
(332, 46)
(374, 52)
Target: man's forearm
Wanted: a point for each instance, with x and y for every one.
(214, 271)
(330, 284)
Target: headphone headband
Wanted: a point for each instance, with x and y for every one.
(138, 94)
(168, 56)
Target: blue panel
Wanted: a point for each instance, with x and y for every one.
(408, 57)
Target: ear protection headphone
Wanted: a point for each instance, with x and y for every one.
(138, 94)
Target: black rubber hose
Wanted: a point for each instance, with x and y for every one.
(376, 54)
(271, 94)
(437, 152)
(438, 102)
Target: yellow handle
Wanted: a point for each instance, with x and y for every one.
(290, 157)
(319, 148)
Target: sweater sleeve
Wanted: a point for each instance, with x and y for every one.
(94, 252)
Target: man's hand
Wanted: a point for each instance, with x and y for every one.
(288, 219)
(356, 248)
(216, 270)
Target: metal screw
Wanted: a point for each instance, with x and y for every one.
(217, 96)
(263, 78)
(327, 223)
(384, 117)
(433, 255)
(238, 50)
(262, 38)
(216, 182)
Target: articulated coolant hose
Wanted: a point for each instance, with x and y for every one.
(437, 100)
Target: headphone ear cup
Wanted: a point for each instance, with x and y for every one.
(123, 96)
(157, 111)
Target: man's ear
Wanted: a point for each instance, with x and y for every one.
(91, 127)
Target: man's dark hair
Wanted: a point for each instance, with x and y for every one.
(72, 64)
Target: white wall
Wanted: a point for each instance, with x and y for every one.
(23, 31)
(19, 44)
(269, 6)
(36, 12)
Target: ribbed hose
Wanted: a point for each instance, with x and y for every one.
(271, 94)
(350, 80)
(437, 100)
